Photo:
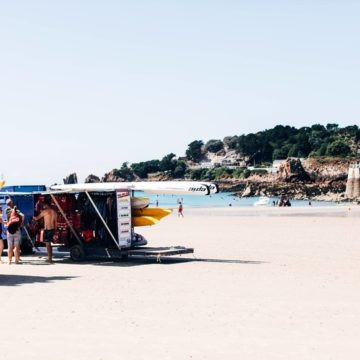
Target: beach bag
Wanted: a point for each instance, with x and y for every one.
(14, 222)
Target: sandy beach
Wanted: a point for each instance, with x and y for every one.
(262, 284)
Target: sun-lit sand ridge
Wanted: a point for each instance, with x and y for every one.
(265, 284)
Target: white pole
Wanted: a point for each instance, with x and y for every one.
(350, 183)
(102, 219)
(356, 189)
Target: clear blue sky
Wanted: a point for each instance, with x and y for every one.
(87, 85)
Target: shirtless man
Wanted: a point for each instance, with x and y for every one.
(50, 223)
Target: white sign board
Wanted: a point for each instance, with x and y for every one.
(123, 202)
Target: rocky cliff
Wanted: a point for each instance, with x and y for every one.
(318, 179)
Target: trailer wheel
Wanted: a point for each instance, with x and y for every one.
(77, 253)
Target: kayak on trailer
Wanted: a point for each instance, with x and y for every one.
(158, 213)
(144, 220)
(139, 202)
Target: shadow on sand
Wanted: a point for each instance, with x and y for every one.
(141, 261)
(15, 280)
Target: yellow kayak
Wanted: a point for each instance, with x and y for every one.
(157, 213)
(144, 221)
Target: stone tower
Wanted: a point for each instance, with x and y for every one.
(353, 182)
(350, 182)
(356, 189)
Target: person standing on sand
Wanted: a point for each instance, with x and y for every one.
(50, 223)
(14, 220)
(180, 209)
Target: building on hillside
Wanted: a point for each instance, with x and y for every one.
(233, 163)
(277, 163)
(206, 165)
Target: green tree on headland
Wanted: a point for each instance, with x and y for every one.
(194, 151)
(214, 146)
(168, 163)
(125, 172)
(142, 169)
(338, 148)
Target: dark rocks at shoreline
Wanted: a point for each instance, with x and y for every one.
(317, 179)
(332, 191)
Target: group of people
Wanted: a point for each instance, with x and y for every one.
(15, 220)
(284, 201)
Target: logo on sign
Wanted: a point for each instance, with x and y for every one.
(197, 189)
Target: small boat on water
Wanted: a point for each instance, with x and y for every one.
(262, 201)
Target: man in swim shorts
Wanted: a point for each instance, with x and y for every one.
(50, 223)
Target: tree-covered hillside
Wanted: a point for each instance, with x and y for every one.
(282, 142)
(265, 146)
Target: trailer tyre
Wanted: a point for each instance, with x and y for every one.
(77, 253)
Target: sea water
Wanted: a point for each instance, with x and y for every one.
(218, 200)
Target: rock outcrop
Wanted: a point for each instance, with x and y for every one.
(112, 176)
(293, 171)
(71, 179)
(92, 179)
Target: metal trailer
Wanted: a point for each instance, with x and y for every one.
(114, 237)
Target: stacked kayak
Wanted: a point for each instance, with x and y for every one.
(139, 202)
(148, 216)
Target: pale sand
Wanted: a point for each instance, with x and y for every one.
(267, 287)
